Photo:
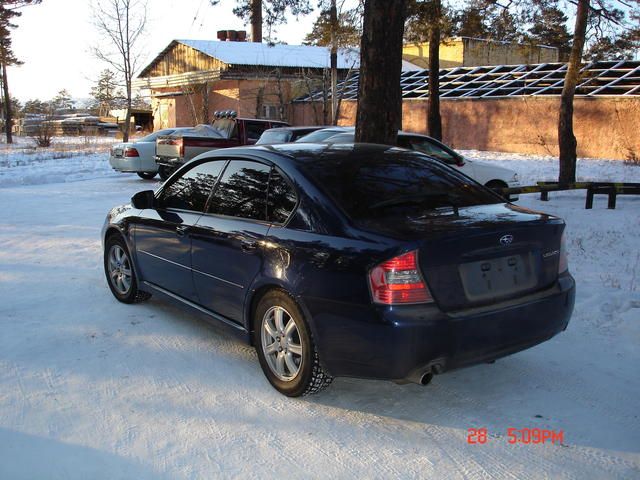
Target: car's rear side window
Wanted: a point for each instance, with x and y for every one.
(192, 189)
(242, 191)
(281, 199)
(369, 186)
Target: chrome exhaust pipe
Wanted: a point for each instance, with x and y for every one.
(426, 378)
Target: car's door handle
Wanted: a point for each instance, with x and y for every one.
(247, 246)
(182, 230)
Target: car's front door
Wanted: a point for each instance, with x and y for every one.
(227, 240)
(162, 235)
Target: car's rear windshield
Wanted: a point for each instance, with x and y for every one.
(270, 138)
(392, 182)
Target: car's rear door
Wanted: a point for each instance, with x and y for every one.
(227, 240)
(162, 235)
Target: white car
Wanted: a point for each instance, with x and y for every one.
(489, 175)
(139, 156)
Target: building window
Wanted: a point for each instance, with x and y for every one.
(270, 112)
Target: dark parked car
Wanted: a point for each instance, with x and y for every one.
(345, 260)
(278, 135)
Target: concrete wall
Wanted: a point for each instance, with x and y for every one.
(471, 52)
(604, 127)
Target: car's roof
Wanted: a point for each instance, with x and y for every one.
(295, 129)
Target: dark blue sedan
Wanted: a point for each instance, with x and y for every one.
(345, 260)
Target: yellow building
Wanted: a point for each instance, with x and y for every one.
(471, 52)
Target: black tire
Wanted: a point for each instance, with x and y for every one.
(497, 186)
(131, 294)
(164, 172)
(147, 175)
(311, 377)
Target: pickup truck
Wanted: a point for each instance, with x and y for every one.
(174, 150)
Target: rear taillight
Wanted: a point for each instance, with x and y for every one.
(399, 281)
(563, 261)
(131, 152)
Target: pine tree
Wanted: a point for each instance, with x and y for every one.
(63, 100)
(379, 114)
(106, 93)
(347, 35)
(549, 27)
(8, 12)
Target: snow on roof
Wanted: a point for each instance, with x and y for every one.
(264, 54)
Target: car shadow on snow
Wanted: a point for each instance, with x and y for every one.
(25, 456)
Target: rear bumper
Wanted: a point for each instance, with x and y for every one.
(169, 162)
(402, 343)
(132, 164)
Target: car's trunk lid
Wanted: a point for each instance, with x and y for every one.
(481, 254)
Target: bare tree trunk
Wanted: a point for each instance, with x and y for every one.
(256, 21)
(205, 103)
(567, 143)
(333, 14)
(127, 117)
(434, 120)
(8, 117)
(379, 95)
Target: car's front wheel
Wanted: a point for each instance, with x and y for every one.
(146, 175)
(285, 347)
(120, 273)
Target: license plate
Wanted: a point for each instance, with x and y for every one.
(498, 277)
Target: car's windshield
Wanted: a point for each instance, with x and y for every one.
(383, 183)
(341, 138)
(275, 136)
(319, 135)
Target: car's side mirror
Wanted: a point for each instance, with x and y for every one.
(460, 161)
(143, 200)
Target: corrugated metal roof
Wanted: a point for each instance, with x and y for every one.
(264, 54)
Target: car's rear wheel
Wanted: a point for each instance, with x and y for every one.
(497, 186)
(146, 175)
(120, 273)
(164, 171)
(285, 347)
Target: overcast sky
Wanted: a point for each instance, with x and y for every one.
(54, 41)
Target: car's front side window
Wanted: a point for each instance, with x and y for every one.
(431, 149)
(191, 191)
(242, 191)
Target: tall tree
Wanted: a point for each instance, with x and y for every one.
(379, 114)
(430, 21)
(269, 13)
(567, 143)
(9, 10)
(121, 24)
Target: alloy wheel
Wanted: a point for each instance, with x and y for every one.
(119, 269)
(281, 343)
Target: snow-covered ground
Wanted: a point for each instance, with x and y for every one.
(91, 388)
